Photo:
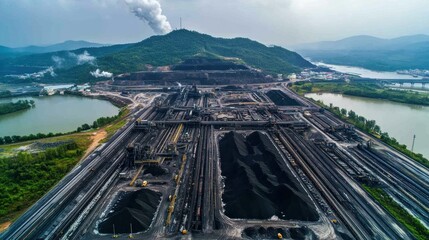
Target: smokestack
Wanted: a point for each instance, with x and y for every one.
(150, 11)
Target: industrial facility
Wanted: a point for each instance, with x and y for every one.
(228, 162)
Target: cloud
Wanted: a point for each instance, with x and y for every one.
(36, 75)
(280, 22)
(59, 61)
(83, 58)
(150, 11)
(98, 73)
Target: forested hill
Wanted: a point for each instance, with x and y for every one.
(164, 50)
(182, 44)
(408, 52)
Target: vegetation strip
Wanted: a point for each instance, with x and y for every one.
(11, 107)
(416, 228)
(27, 176)
(363, 90)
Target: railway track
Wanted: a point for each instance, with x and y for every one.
(39, 222)
(402, 189)
(369, 218)
(324, 186)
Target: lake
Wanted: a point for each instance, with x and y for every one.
(366, 73)
(400, 120)
(54, 114)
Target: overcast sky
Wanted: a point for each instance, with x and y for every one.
(280, 22)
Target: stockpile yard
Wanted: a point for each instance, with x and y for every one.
(281, 99)
(257, 184)
(132, 210)
(252, 162)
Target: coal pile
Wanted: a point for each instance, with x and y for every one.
(155, 170)
(302, 233)
(132, 208)
(258, 184)
(264, 233)
(281, 99)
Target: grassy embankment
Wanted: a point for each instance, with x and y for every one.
(25, 177)
(416, 228)
(369, 126)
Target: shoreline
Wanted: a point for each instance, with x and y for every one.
(116, 101)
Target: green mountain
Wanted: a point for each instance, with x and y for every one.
(408, 52)
(164, 50)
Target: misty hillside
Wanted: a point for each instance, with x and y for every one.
(64, 46)
(408, 52)
(164, 50)
(6, 52)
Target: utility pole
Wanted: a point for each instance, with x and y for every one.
(131, 228)
(114, 232)
(414, 140)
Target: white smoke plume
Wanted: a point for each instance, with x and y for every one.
(150, 11)
(98, 73)
(59, 61)
(36, 75)
(83, 58)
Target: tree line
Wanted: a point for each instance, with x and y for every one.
(371, 127)
(368, 90)
(27, 176)
(11, 107)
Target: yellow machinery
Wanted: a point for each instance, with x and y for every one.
(144, 184)
(184, 231)
(279, 236)
(172, 146)
(173, 198)
(177, 134)
(136, 176)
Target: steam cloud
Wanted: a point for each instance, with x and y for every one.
(59, 61)
(35, 75)
(98, 73)
(150, 11)
(83, 58)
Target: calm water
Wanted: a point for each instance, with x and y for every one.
(401, 121)
(54, 114)
(366, 73)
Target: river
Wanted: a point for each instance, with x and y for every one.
(400, 120)
(366, 73)
(54, 114)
